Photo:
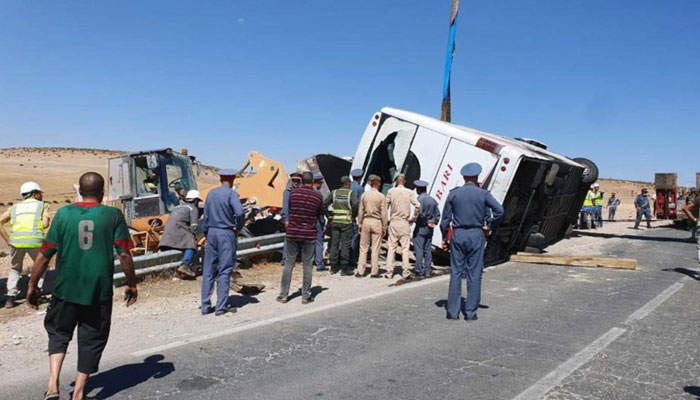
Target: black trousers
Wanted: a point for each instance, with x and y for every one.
(341, 240)
(93, 324)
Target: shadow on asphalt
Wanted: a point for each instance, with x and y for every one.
(634, 237)
(684, 271)
(127, 376)
(238, 301)
(443, 304)
(693, 390)
(315, 291)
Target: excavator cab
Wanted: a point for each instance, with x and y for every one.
(148, 185)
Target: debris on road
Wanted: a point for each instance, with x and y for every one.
(576, 261)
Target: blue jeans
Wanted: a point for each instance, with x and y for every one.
(466, 261)
(598, 216)
(611, 212)
(188, 256)
(646, 214)
(219, 259)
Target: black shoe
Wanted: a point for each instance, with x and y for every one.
(334, 270)
(208, 311)
(358, 275)
(375, 276)
(346, 272)
(419, 277)
(307, 300)
(220, 313)
(474, 318)
(282, 299)
(10, 302)
(451, 318)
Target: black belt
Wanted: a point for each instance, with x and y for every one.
(467, 227)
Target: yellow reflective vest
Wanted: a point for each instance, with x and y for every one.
(342, 209)
(598, 199)
(27, 221)
(588, 202)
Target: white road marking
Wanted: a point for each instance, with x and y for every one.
(554, 378)
(273, 320)
(655, 302)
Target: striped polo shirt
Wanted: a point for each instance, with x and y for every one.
(305, 206)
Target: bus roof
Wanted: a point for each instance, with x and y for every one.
(471, 135)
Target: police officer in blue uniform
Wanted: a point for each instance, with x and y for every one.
(472, 213)
(356, 186)
(428, 218)
(320, 227)
(223, 217)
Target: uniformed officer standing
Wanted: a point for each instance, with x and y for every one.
(356, 186)
(223, 217)
(467, 210)
(399, 200)
(372, 223)
(344, 203)
(423, 231)
(642, 204)
(320, 228)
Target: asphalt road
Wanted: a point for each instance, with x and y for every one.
(543, 331)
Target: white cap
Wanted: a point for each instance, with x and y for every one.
(595, 185)
(28, 187)
(193, 195)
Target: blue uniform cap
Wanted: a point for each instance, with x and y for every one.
(228, 172)
(471, 169)
(318, 177)
(420, 184)
(356, 173)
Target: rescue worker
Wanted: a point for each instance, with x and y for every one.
(223, 218)
(150, 184)
(320, 228)
(372, 223)
(643, 206)
(613, 203)
(399, 200)
(294, 182)
(29, 221)
(691, 211)
(587, 210)
(180, 232)
(305, 206)
(356, 186)
(598, 205)
(428, 218)
(86, 236)
(467, 211)
(342, 208)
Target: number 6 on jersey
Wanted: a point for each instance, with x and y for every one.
(85, 229)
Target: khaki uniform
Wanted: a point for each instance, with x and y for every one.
(372, 220)
(400, 199)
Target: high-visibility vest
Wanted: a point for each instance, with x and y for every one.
(27, 224)
(588, 202)
(599, 199)
(342, 209)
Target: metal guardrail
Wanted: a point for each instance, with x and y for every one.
(164, 260)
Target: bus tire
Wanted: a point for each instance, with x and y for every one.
(590, 174)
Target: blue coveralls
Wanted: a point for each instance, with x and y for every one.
(466, 210)
(222, 214)
(642, 204)
(423, 234)
(355, 244)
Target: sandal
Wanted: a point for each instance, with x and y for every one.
(52, 396)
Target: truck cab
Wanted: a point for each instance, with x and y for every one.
(541, 192)
(147, 185)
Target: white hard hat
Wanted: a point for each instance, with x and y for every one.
(595, 185)
(28, 187)
(193, 195)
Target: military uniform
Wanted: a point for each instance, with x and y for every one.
(372, 220)
(399, 200)
(466, 211)
(428, 217)
(223, 214)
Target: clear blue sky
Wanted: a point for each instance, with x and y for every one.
(614, 81)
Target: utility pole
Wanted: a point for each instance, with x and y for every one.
(446, 103)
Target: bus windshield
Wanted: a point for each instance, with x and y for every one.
(389, 150)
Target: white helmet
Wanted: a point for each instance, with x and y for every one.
(28, 187)
(193, 195)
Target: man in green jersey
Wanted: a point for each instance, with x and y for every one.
(85, 235)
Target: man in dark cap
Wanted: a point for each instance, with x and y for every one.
(223, 218)
(342, 209)
(356, 186)
(466, 211)
(428, 218)
(642, 204)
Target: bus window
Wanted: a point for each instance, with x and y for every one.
(390, 150)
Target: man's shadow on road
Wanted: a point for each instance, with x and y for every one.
(443, 304)
(127, 376)
(685, 271)
(692, 390)
(314, 291)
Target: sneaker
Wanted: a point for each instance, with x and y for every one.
(10, 302)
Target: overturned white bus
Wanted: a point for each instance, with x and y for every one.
(541, 192)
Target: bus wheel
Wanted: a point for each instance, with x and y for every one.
(590, 174)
